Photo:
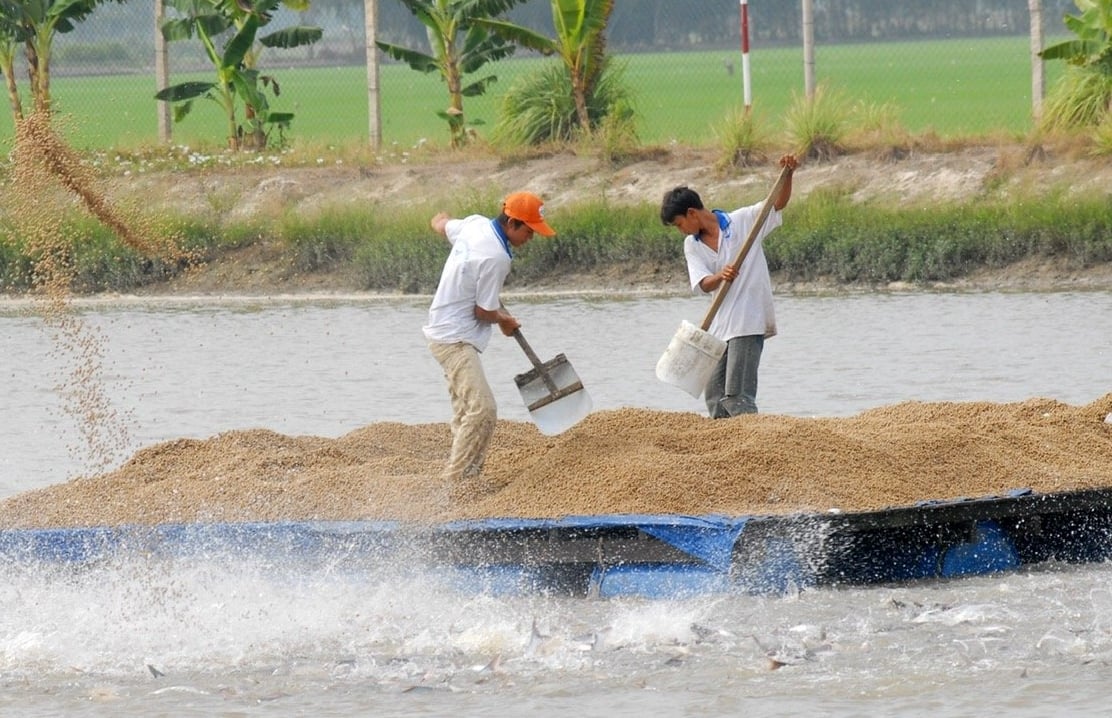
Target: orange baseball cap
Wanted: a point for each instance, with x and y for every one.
(528, 208)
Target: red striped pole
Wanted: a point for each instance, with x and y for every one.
(746, 93)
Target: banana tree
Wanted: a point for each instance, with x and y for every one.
(1083, 95)
(33, 24)
(458, 47)
(1092, 46)
(580, 43)
(238, 79)
(8, 49)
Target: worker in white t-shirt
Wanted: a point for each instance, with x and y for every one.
(467, 302)
(712, 239)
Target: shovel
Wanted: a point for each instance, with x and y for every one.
(552, 391)
(693, 352)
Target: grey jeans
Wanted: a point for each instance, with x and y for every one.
(732, 388)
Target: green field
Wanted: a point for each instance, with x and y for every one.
(955, 88)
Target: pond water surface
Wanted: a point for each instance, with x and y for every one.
(138, 637)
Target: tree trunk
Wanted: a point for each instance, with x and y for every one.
(39, 93)
(455, 103)
(8, 68)
(581, 113)
(256, 138)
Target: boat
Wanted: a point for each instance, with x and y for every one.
(648, 556)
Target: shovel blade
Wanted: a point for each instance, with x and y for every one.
(554, 395)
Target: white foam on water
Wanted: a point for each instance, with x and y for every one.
(193, 615)
(238, 633)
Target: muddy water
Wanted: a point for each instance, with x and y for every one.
(180, 369)
(142, 637)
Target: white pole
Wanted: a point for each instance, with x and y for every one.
(161, 73)
(374, 102)
(746, 92)
(809, 49)
(1038, 84)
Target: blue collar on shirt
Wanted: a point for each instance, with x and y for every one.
(723, 222)
(502, 237)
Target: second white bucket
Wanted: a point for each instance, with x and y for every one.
(690, 359)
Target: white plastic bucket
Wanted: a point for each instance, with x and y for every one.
(690, 359)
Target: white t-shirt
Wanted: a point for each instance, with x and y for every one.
(473, 275)
(747, 307)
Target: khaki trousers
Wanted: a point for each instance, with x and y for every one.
(474, 412)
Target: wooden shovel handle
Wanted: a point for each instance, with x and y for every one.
(528, 349)
(536, 360)
(765, 209)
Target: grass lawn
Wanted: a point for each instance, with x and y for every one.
(963, 87)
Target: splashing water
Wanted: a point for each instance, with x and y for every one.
(204, 635)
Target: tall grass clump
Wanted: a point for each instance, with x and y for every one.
(1102, 137)
(616, 135)
(539, 107)
(742, 140)
(877, 126)
(1080, 99)
(817, 126)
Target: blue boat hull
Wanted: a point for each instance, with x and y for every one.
(654, 556)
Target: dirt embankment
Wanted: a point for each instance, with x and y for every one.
(921, 178)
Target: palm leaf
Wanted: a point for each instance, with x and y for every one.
(417, 60)
(187, 7)
(69, 10)
(1074, 51)
(181, 110)
(212, 25)
(177, 29)
(238, 47)
(519, 35)
(490, 8)
(478, 87)
(292, 37)
(184, 91)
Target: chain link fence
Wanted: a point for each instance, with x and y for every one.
(956, 67)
